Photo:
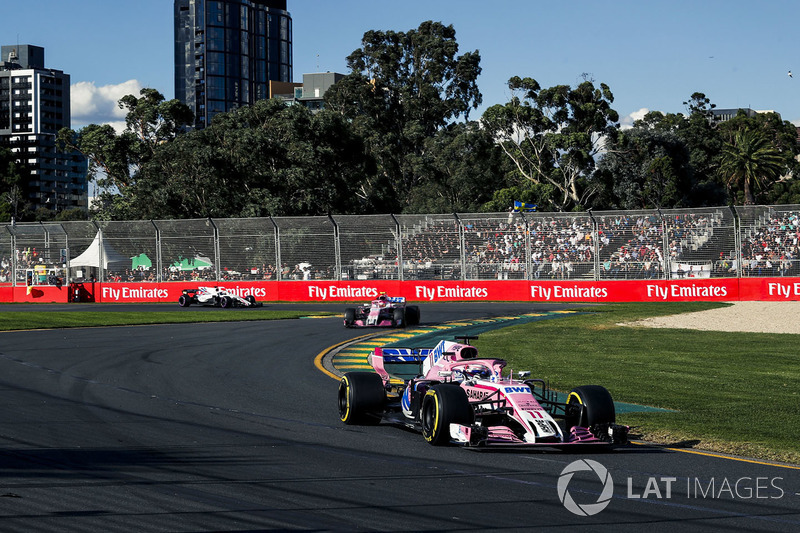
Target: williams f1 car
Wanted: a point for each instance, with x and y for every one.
(216, 296)
(384, 311)
(461, 399)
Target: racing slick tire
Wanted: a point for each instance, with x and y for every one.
(398, 317)
(443, 405)
(226, 302)
(361, 398)
(349, 317)
(184, 301)
(412, 315)
(250, 300)
(589, 405)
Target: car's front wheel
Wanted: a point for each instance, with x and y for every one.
(361, 398)
(226, 302)
(443, 405)
(250, 299)
(589, 405)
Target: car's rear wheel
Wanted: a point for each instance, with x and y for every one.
(412, 315)
(443, 405)
(398, 317)
(226, 302)
(184, 301)
(589, 405)
(349, 317)
(361, 398)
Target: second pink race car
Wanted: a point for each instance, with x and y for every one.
(384, 311)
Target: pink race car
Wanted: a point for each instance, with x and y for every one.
(384, 311)
(458, 398)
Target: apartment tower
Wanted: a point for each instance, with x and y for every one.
(228, 51)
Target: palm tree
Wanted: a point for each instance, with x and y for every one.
(750, 160)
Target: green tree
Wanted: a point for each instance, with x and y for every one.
(462, 167)
(115, 160)
(402, 88)
(644, 168)
(554, 135)
(749, 160)
(701, 138)
(266, 159)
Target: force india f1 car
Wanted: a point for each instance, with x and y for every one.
(385, 311)
(216, 296)
(459, 398)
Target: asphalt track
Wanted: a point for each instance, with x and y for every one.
(231, 427)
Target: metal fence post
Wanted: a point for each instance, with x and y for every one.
(13, 251)
(100, 255)
(665, 246)
(217, 267)
(159, 271)
(462, 247)
(596, 243)
(528, 248)
(278, 266)
(337, 250)
(737, 240)
(398, 244)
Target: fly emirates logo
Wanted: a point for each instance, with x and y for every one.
(784, 290)
(567, 292)
(316, 292)
(440, 291)
(665, 292)
(128, 293)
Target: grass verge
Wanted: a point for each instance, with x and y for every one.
(82, 319)
(730, 392)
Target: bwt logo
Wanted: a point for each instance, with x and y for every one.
(585, 509)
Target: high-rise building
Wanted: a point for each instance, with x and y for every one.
(227, 52)
(34, 106)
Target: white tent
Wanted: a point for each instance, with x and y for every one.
(91, 257)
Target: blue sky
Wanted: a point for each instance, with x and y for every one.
(653, 54)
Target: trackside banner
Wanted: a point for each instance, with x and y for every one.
(727, 289)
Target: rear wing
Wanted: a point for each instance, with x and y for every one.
(400, 360)
(397, 299)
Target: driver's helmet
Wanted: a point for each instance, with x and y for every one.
(477, 371)
(382, 299)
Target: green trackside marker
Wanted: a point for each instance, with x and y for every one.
(355, 356)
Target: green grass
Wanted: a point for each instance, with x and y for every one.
(731, 392)
(18, 320)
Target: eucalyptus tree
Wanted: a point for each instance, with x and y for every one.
(115, 159)
(554, 135)
(402, 88)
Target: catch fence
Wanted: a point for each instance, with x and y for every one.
(721, 242)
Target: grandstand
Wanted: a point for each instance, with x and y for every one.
(671, 244)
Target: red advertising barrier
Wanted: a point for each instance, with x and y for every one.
(769, 289)
(723, 289)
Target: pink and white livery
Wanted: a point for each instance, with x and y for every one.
(458, 398)
(384, 311)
